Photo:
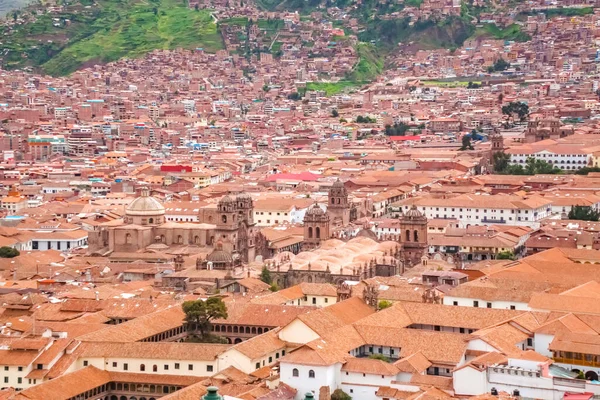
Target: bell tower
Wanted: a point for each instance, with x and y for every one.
(497, 141)
(316, 227)
(413, 236)
(338, 206)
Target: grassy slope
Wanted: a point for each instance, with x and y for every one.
(448, 33)
(512, 32)
(369, 65)
(331, 88)
(111, 30)
(139, 31)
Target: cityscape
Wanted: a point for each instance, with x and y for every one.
(299, 200)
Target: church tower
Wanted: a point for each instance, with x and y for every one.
(316, 227)
(413, 236)
(338, 206)
(497, 141)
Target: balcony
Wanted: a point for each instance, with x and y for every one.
(493, 220)
(594, 362)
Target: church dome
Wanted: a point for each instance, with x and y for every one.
(315, 210)
(219, 255)
(243, 196)
(145, 205)
(226, 200)
(338, 184)
(413, 213)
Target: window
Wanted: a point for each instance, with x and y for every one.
(20, 380)
(295, 372)
(270, 360)
(276, 355)
(489, 305)
(462, 330)
(282, 353)
(513, 308)
(166, 367)
(190, 367)
(257, 366)
(530, 342)
(6, 379)
(475, 303)
(176, 365)
(85, 363)
(311, 374)
(125, 367)
(114, 365)
(326, 300)
(209, 368)
(6, 368)
(455, 303)
(40, 366)
(155, 368)
(142, 367)
(314, 300)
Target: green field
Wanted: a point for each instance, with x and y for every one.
(332, 88)
(113, 30)
(563, 12)
(512, 33)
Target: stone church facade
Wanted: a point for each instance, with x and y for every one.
(144, 228)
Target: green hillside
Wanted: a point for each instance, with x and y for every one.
(449, 33)
(112, 30)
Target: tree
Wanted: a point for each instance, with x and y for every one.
(155, 10)
(383, 304)
(265, 275)
(466, 143)
(294, 96)
(339, 394)
(274, 287)
(379, 357)
(8, 252)
(505, 255)
(472, 85)
(532, 167)
(582, 213)
(199, 313)
(501, 161)
(501, 65)
(197, 7)
(365, 120)
(398, 129)
(587, 170)
(516, 108)
(335, 113)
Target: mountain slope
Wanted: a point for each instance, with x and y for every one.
(105, 32)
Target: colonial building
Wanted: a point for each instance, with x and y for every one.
(144, 228)
(538, 130)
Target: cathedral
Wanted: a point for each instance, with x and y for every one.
(227, 229)
(327, 259)
(320, 225)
